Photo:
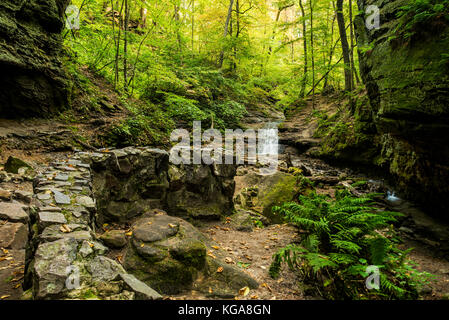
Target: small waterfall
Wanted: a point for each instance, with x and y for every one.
(391, 196)
(268, 137)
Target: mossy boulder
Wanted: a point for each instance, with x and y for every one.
(13, 165)
(262, 192)
(170, 255)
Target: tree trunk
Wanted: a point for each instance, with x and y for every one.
(312, 52)
(304, 33)
(125, 49)
(143, 17)
(228, 18)
(331, 53)
(344, 46)
(353, 68)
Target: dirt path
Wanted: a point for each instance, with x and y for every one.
(253, 251)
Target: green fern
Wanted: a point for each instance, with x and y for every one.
(342, 238)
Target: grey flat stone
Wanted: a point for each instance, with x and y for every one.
(85, 249)
(85, 201)
(61, 198)
(61, 177)
(43, 196)
(48, 218)
(13, 212)
(50, 209)
(24, 196)
(74, 162)
(142, 291)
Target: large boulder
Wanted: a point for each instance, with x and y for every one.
(170, 255)
(407, 79)
(33, 81)
(260, 193)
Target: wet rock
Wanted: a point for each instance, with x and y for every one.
(114, 238)
(13, 212)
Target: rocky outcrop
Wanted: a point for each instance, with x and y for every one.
(131, 181)
(32, 78)
(407, 79)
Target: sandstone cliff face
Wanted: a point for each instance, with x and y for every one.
(408, 85)
(32, 81)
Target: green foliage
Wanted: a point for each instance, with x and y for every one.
(417, 13)
(341, 239)
(147, 125)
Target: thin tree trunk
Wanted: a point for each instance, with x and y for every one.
(344, 46)
(228, 18)
(331, 53)
(304, 33)
(125, 48)
(193, 25)
(353, 68)
(312, 52)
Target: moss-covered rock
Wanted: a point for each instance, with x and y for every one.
(262, 192)
(407, 79)
(13, 165)
(33, 81)
(170, 255)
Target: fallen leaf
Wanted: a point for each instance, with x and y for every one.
(255, 297)
(120, 259)
(210, 290)
(216, 247)
(229, 260)
(17, 286)
(65, 229)
(91, 244)
(4, 297)
(172, 225)
(244, 291)
(220, 270)
(142, 245)
(150, 223)
(210, 254)
(265, 285)
(129, 234)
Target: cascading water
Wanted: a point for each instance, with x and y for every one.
(268, 148)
